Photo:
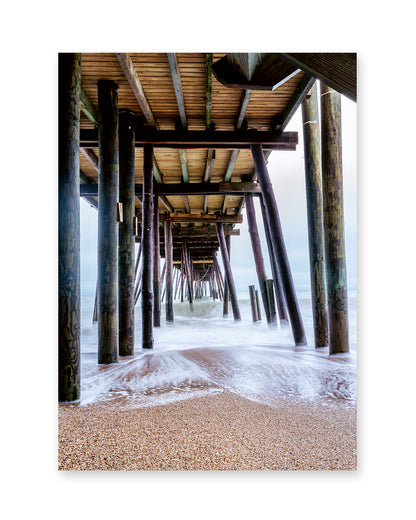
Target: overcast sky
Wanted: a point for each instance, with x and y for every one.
(287, 172)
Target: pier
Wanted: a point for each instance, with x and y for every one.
(172, 149)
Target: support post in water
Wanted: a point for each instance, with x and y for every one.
(126, 234)
(312, 149)
(69, 228)
(187, 274)
(228, 272)
(281, 306)
(278, 244)
(156, 264)
(336, 270)
(258, 257)
(270, 298)
(108, 196)
(226, 291)
(258, 304)
(253, 303)
(169, 270)
(147, 248)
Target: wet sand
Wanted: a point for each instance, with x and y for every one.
(216, 432)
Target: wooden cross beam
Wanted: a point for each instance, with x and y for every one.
(200, 261)
(282, 120)
(177, 85)
(208, 95)
(88, 107)
(200, 217)
(136, 86)
(186, 188)
(91, 157)
(240, 139)
(86, 180)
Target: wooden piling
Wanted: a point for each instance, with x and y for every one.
(187, 273)
(126, 233)
(136, 266)
(253, 303)
(270, 298)
(108, 196)
(69, 348)
(218, 276)
(258, 256)
(256, 292)
(278, 244)
(95, 311)
(182, 275)
(313, 177)
(156, 264)
(333, 217)
(147, 248)
(169, 271)
(226, 291)
(228, 272)
(280, 299)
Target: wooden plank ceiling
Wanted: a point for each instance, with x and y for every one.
(174, 101)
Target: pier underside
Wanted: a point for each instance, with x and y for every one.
(200, 128)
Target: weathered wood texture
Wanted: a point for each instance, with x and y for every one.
(88, 107)
(147, 249)
(228, 272)
(169, 271)
(258, 256)
(279, 245)
(313, 177)
(156, 265)
(281, 306)
(271, 302)
(336, 69)
(208, 95)
(228, 140)
(183, 188)
(136, 86)
(226, 290)
(69, 228)
(108, 195)
(255, 70)
(253, 303)
(336, 271)
(256, 292)
(126, 234)
(187, 272)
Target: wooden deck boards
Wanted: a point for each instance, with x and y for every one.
(155, 76)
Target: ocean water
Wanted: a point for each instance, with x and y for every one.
(202, 353)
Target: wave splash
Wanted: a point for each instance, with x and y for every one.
(201, 353)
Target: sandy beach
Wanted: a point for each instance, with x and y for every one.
(217, 432)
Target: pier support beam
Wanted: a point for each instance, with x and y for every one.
(187, 272)
(169, 271)
(228, 272)
(336, 271)
(126, 234)
(226, 291)
(156, 264)
(147, 248)
(108, 186)
(258, 257)
(253, 303)
(313, 177)
(69, 228)
(281, 307)
(279, 245)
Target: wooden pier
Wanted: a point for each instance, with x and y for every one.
(171, 149)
